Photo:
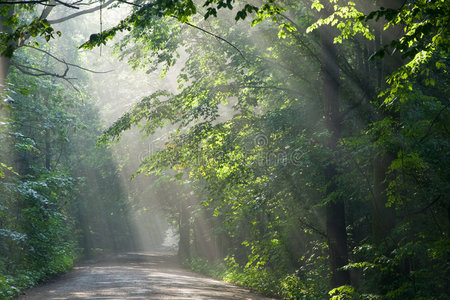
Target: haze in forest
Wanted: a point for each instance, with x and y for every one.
(296, 148)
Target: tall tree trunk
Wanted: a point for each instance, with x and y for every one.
(383, 218)
(5, 62)
(335, 208)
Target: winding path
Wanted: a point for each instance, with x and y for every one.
(135, 276)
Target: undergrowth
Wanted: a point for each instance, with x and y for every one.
(258, 279)
(14, 284)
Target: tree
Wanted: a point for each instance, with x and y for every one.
(18, 32)
(50, 169)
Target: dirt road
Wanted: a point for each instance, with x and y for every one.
(135, 276)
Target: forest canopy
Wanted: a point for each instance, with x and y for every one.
(305, 151)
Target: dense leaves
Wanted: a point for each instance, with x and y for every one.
(249, 137)
(52, 210)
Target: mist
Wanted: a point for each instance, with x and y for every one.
(298, 149)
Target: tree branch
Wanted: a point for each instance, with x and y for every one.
(42, 2)
(38, 73)
(216, 36)
(422, 210)
(66, 63)
(25, 69)
(130, 3)
(80, 13)
(272, 87)
(360, 170)
(432, 124)
(46, 11)
(66, 4)
(313, 228)
(24, 2)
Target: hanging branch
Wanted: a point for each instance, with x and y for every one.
(66, 63)
(32, 71)
(430, 127)
(198, 28)
(217, 37)
(38, 73)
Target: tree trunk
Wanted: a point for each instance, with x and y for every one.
(383, 218)
(5, 62)
(337, 242)
(335, 208)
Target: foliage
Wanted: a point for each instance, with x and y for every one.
(36, 243)
(249, 138)
(217, 270)
(425, 27)
(47, 143)
(255, 278)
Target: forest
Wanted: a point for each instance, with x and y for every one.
(298, 148)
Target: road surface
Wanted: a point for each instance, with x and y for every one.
(135, 276)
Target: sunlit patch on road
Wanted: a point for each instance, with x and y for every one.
(136, 276)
